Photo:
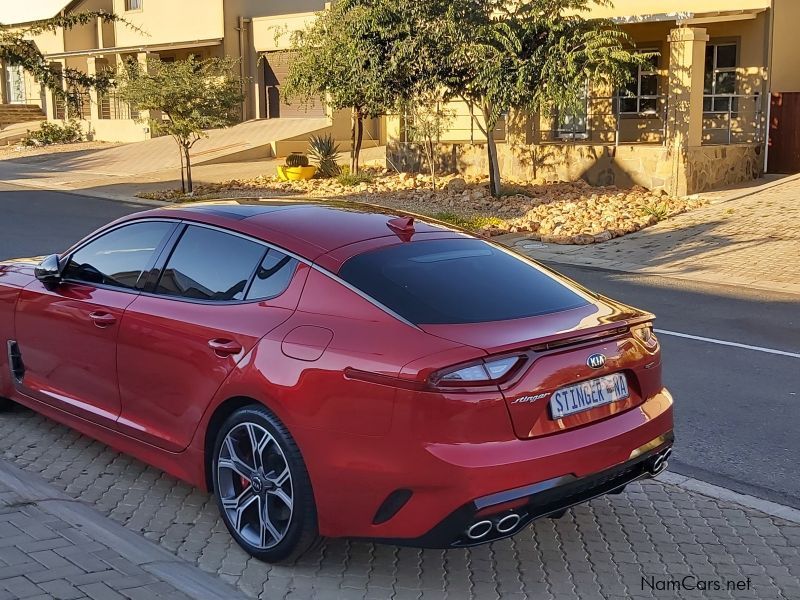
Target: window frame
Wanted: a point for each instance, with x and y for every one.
(639, 96)
(715, 70)
(574, 134)
(65, 258)
(158, 270)
(128, 8)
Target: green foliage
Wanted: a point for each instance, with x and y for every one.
(192, 95)
(17, 49)
(474, 223)
(324, 152)
(353, 179)
(53, 133)
(350, 56)
(659, 210)
(498, 56)
(426, 120)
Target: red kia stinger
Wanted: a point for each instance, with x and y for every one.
(333, 370)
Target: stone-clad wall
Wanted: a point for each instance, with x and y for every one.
(711, 167)
(654, 167)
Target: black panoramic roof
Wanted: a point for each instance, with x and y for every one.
(239, 210)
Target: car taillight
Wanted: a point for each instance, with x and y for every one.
(482, 372)
(644, 333)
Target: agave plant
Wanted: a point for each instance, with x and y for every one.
(324, 151)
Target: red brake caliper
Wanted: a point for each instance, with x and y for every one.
(245, 482)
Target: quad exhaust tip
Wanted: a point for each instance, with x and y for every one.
(508, 523)
(503, 526)
(661, 462)
(479, 530)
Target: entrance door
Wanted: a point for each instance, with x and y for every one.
(784, 134)
(276, 68)
(15, 85)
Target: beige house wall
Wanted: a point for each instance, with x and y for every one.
(169, 22)
(785, 51)
(624, 8)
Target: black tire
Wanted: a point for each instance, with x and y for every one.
(5, 404)
(289, 536)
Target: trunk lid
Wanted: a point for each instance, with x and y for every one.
(558, 346)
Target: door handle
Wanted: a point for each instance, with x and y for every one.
(102, 319)
(225, 348)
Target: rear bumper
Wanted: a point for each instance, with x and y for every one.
(361, 483)
(488, 519)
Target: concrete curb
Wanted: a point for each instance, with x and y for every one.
(773, 509)
(164, 565)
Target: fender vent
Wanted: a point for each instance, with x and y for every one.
(15, 361)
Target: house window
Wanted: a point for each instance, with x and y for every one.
(575, 124)
(640, 95)
(133, 5)
(720, 78)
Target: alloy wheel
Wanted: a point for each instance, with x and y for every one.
(255, 485)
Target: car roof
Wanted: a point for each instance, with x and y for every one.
(304, 227)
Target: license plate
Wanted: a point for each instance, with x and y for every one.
(588, 395)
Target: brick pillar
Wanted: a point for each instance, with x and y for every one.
(687, 48)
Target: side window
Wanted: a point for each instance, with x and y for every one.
(118, 257)
(273, 276)
(210, 265)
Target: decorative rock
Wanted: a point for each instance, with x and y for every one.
(603, 236)
(561, 213)
(456, 185)
(583, 239)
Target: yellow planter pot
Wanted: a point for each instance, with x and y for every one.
(295, 173)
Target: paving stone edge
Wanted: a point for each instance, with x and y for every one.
(152, 558)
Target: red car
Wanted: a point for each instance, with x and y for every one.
(329, 370)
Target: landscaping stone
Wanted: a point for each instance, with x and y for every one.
(561, 212)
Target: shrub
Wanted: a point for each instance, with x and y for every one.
(53, 133)
(324, 152)
(657, 210)
(353, 179)
(473, 223)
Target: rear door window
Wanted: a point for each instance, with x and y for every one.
(210, 265)
(457, 281)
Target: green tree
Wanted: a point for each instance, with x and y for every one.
(342, 58)
(529, 56)
(192, 96)
(18, 49)
(426, 120)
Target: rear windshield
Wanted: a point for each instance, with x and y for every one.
(456, 281)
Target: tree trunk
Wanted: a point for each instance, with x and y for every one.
(432, 162)
(494, 167)
(183, 162)
(183, 173)
(189, 184)
(359, 140)
(353, 135)
(491, 147)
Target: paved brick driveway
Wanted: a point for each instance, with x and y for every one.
(751, 241)
(598, 551)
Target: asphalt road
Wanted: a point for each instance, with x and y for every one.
(737, 409)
